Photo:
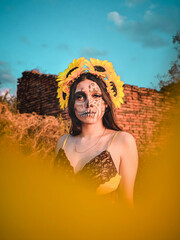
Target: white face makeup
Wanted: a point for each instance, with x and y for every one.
(89, 105)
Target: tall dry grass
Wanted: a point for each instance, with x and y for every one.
(35, 134)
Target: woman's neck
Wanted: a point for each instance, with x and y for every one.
(92, 130)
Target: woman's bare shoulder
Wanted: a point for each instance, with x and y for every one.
(128, 143)
(126, 139)
(60, 142)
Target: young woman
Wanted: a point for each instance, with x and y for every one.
(96, 146)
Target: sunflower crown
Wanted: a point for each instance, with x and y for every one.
(102, 69)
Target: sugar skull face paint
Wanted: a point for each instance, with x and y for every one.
(89, 105)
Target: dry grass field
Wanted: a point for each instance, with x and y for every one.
(35, 134)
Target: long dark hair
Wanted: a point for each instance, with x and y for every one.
(108, 118)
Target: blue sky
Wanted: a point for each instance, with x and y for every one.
(135, 35)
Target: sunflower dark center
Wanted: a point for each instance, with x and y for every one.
(114, 88)
(99, 68)
(64, 95)
(71, 71)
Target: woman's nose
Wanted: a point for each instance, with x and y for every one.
(89, 102)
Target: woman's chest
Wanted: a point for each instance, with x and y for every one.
(80, 159)
(99, 159)
(99, 170)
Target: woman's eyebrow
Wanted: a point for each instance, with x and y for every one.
(80, 91)
(96, 91)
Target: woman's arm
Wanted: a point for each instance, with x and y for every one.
(128, 167)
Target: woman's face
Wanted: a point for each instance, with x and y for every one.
(89, 105)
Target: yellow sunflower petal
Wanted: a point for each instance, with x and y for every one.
(67, 77)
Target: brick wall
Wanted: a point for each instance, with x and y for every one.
(145, 114)
(142, 114)
(37, 92)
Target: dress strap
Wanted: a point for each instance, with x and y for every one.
(64, 143)
(112, 139)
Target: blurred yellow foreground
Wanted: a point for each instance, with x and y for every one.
(37, 203)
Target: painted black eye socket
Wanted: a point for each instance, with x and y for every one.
(96, 95)
(80, 96)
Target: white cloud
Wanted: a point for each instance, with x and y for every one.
(116, 18)
(132, 3)
(92, 52)
(152, 30)
(6, 77)
(6, 91)
(152, 6)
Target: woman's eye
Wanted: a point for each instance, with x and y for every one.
(97, 95)
(80, 97)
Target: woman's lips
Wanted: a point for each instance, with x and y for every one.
(87, 114)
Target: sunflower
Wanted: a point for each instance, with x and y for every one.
(99, 68)
(73, 71)
(115, 89)
(76, 68)
(66, 78)
(63, 95)
(102, 69)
